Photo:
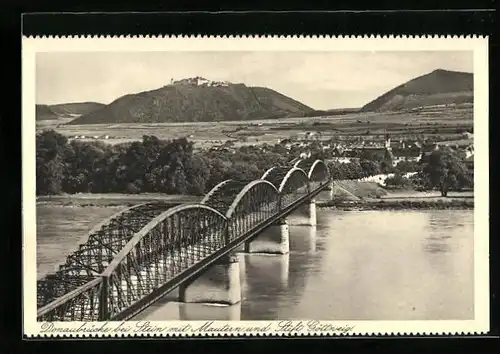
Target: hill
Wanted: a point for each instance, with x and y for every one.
(196, 100)
(44, 112)
(78, 108)
(65, 110)
(440, 87)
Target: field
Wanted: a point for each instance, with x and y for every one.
(446, 122)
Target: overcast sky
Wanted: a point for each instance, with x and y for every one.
(321, 80)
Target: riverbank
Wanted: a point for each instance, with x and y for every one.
(113, 199)
(387, 204)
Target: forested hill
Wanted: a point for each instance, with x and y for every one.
(197, 100)
(436, 88)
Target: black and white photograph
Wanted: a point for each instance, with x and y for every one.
(296, 186)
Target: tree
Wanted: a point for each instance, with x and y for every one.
(407, 166)
(445, 170)
(51, 151)
(369, 168)
(397, 180)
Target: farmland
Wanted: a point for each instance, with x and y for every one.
(438, 122)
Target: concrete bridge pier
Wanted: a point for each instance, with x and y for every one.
(220, 284)
(332, 188)
(275, 240)
(312, 213)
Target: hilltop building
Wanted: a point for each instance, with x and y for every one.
(200, 81)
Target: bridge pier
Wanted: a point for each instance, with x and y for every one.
(220, 284)
(312, 213)
(332, 188)
(274, 240)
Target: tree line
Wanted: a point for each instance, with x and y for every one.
(174, 167)
(151, 165)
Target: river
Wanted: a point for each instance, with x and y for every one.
(370, 265)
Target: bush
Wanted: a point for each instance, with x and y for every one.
(397, 181)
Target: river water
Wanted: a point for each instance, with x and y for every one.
(369, 265)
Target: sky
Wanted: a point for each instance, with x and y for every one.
(321, 80)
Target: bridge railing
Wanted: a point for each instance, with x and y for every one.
(81, 304)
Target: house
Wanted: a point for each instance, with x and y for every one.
(346, 156)
(405, 154)
(345, 159)
(369, 152)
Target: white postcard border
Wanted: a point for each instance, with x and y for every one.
(479, 45)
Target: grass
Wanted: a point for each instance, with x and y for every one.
(362, 190)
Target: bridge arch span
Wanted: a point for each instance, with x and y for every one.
(318, 171)
(255, 203)
(264, 176)
(214, 190)
(294, 185)
(297, 162)
(293, 173)
(221, 196)
(277, 175)
(162, 250)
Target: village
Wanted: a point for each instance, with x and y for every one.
(357, 148)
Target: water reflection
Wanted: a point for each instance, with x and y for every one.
(279, 282)
(197, 312)
(273, 270)
(447, 219)
(437, 247)
(312, 239)
(303, 239)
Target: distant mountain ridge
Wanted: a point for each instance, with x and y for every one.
(44, 112)
(77, 107)
(196, 100)
(436, 88)
(64, 110)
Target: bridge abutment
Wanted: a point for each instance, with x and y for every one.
(274, 240)
(220, 284)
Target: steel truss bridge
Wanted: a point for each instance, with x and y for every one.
(143, 252)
